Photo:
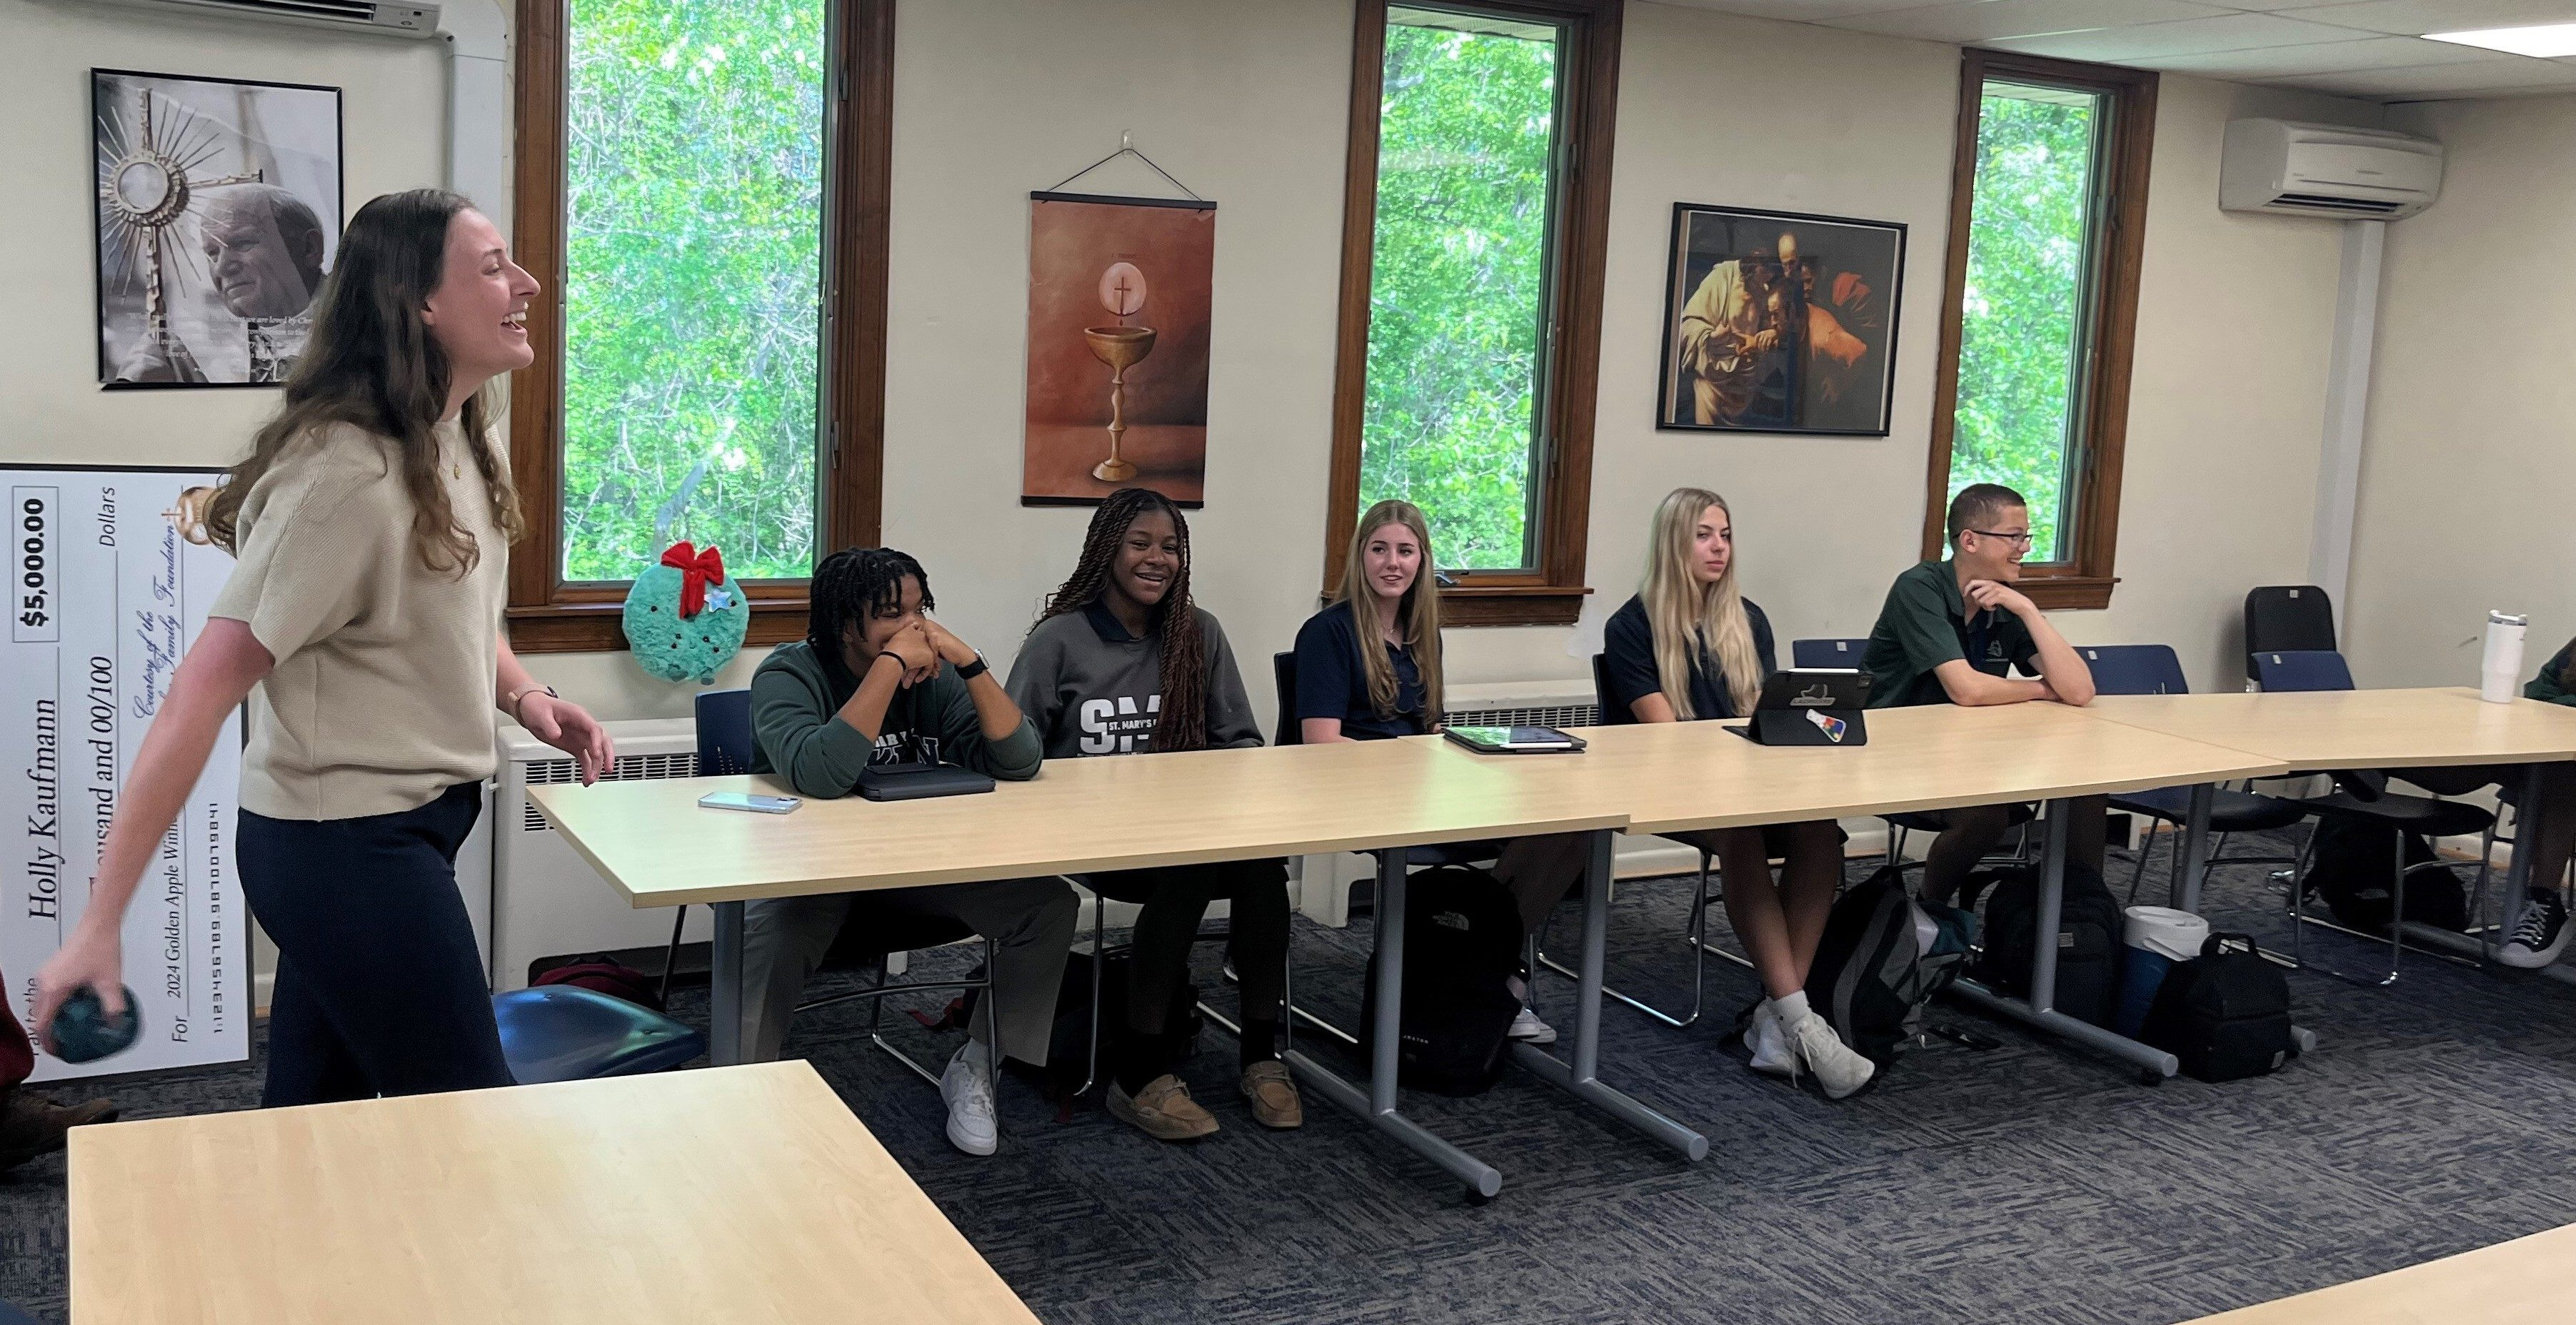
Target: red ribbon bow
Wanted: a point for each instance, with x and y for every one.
(697, 571)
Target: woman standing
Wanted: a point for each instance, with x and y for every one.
(371, 522)
(1122, 662)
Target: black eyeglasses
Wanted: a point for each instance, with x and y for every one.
(2019, 540)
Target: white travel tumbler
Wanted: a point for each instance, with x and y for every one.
(2503, 671)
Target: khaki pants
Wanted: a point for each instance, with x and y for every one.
(1029, 920)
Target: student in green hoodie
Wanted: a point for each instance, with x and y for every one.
(2541, 934)
(876, 681)
(1122, 662)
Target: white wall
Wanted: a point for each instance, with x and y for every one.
(2467, 463)
(1247, 102)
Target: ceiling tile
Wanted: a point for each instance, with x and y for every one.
(2443, 78)
(1998, 19)
(2191, 36)
(2322, 58)
(2416, 17)
(1803, 11)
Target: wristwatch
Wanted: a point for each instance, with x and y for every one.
(974, 669)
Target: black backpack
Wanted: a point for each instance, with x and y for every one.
(2088, 939)
(1462, 946)
(2223, 1014)
(1872, 974)
(2352, 865)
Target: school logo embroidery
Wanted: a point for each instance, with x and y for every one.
(904, 747)
(1117, 727)
(1831, 726)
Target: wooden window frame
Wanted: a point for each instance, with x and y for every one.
(1551, 594)
(550, 615)
(2084, 580)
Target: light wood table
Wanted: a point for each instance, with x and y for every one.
(1675, 777)
(2323, 731)
(657, 846)
(734, 1194)
(2528, 1281)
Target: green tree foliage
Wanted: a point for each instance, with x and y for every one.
(2021, 315)
(1454, 298)
(693, 237)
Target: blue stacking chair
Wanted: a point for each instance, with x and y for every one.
(2153, 669)
(2362, 795)
(877, 928)
(1826, 652)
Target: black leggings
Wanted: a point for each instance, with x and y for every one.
(379, 988)
(1175, 897)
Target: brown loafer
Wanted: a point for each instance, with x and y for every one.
(1163, 1110)
(32, 1124)
(1273, 1095)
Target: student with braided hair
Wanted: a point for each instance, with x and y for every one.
(877, 681)
(1122, 662)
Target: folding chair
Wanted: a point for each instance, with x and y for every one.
(2152, 669)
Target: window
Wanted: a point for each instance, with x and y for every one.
(700, 191)
(1478, 189)
(2047, 214)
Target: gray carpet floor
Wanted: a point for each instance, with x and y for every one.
(2029, 1182)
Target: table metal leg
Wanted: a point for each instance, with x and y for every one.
(1582, 1077)
(1377, 1106)
(2195, 849)
(725, 1041)
(2038, 1010)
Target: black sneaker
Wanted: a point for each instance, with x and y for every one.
(2541, 936)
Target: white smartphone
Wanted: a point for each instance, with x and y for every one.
(743, 800)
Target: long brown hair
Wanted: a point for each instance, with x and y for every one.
(370, 362)
(1417, 614)
(1688, 616)
(1182, 725)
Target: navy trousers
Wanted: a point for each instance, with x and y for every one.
(379, 988)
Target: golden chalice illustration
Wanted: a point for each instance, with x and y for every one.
(1122, 291)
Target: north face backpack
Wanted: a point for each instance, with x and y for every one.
(2353, 866)
(1462, 946)
(1883, 956)
(2087, 938)
(2224, 1015)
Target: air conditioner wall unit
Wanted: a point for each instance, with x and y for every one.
(2296, 169)
(358, 16)
(546, 900)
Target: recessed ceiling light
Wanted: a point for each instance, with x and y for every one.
(2546, 40)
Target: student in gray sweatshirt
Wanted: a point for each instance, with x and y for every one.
(877, 681)
(1123, 663)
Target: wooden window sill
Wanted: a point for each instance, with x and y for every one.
(2055, 592)
(599, 627)
(1511, 605)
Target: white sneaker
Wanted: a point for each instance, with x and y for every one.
(1838, 1069)
(1527, 1027)
(1773, 1054)
(2541, 936)
(969, 1095)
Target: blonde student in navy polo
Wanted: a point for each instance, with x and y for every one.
(1368, 668)
(1690, 646)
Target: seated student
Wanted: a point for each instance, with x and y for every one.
(1122, 662)
(1951, 632)
(1689, 645)
(1356, 684)
(2541, 935)
(877, 681)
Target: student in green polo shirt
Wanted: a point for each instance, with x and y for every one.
(1951, 633)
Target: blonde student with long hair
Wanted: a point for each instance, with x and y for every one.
(1690, 646)
(1368, 668)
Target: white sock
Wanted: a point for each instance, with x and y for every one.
(1790, 1009)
